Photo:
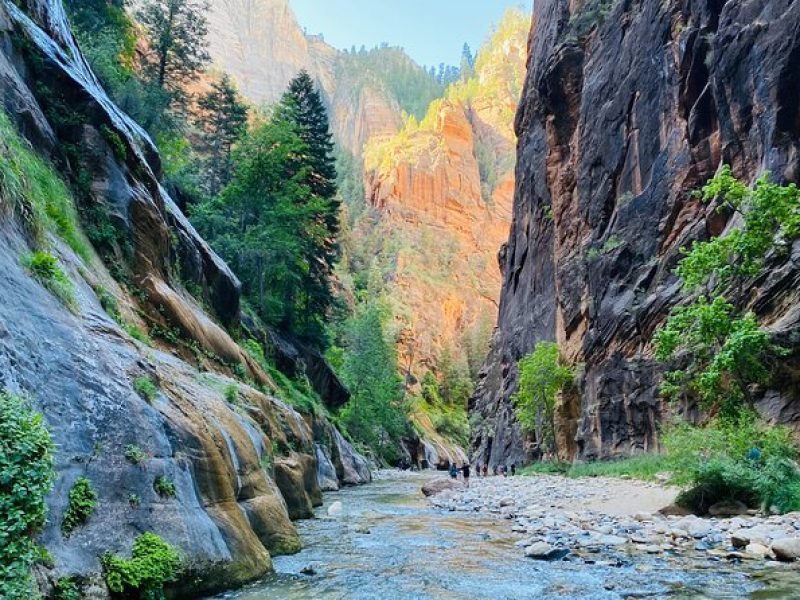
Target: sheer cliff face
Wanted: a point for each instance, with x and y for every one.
(79, 366)
(616, 127)
(444, 190)
(260, 43)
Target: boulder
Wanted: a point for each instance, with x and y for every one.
(335, 509)
(787, 549)
(326, 472)
(437, 486)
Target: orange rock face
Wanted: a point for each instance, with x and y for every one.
(447, 276)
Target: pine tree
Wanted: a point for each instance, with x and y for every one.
(176, 31)
(302, 104)
(467, 63)
(222, 119)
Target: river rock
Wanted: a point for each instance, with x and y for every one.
(727, 508)
(544, 551)
(673, 510)
(740, 539)
(437, 486)
(756, 550)
(787, 549)
(335, 509)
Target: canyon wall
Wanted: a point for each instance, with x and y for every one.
(241, 462)
(444, 187)
(628, 107)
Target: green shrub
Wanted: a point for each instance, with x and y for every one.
(145, 387)
(82, 502)
(232, 394)
(740, 458)
(135, 454)
(66, 588)
(45, 268)
(135, 500)
(542, 375)
(108, 302)
(164, 487)
(26, 476)
(453, 425)
(153, 563)
(136, 333)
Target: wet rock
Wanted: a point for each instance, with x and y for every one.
(308, 570)
(335, 509)
(740, 539)
(756, 550)
(727, 508)
(787, 549)
(611, 540)
(437, 486)
(544, 551)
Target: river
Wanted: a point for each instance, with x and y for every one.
(415, 551)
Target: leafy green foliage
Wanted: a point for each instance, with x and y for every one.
(222, 120)
(136, 333)
(276, 223)
(165, 487)
(740, 458)
(717, 349)
(153, 564)
(135, 454)
(376, 415)
(81, 505)
(541, 376)
(46, 269)
(30, 186)
(66, 588)
(146, 388)
(26, 476)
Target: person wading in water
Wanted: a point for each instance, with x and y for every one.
(465, 471)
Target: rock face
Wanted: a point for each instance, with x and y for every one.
(616, 127)
(261, 44)
(444, 188)
(242, 466)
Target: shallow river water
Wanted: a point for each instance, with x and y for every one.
(415, 551)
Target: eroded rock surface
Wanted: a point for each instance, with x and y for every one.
(242, 462)
(617, 125)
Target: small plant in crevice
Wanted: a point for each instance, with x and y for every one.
(135, 500)
(67, 588)
(46, 269)
(165, 487)
(152, 564)
(145, 387)
(232, 394)
(135, 454)
(81, 505)
(136, 333)
(115, 141)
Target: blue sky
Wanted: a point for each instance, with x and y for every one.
(431, 31)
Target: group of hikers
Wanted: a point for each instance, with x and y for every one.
(482, 471)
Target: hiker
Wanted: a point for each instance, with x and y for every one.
(485, 470)
(513, 469)
(494, 470)
(453, 471)
(478, 470)
(465, 471)
(504, 470)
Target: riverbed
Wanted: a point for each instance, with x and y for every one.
(390, 543)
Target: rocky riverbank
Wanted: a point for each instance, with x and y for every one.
(604, 520)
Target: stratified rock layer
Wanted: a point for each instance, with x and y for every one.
(616, 127)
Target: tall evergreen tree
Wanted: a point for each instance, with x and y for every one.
(222, 119)
(467, 63)
(302, 104)
(176, 31)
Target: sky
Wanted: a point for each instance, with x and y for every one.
(431, 31)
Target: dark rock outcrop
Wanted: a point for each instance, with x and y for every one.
(621, 118)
